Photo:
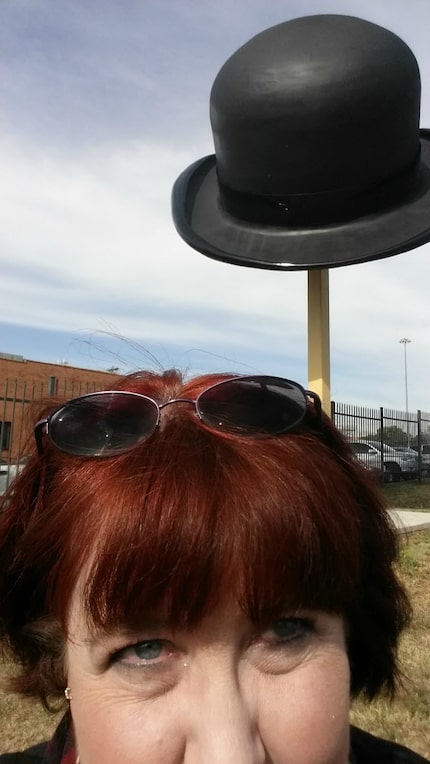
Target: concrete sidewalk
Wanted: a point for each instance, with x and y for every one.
(407, 521)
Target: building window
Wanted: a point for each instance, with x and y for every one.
(5, 430)
(52, 386)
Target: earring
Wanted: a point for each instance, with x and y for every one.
(68, 693)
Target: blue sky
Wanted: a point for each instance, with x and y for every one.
(102, 105)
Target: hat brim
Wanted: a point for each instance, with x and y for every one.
(205, 225)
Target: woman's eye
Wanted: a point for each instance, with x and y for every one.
(289, 629)
(149, 665)
(144, 653)
(148, 650)
(283, 644)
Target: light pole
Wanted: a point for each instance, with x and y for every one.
(404, 341)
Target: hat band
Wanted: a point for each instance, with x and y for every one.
(323, 207)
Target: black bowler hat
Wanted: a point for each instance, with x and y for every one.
(319, 159)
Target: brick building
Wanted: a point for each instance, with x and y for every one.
(23, 382)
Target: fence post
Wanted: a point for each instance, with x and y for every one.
(3, 425)
(420, 461)
(332, 410)
(381, 439)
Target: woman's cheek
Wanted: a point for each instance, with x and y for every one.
(110, 727)
(304, 717)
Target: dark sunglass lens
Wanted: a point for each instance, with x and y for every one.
(104, 424)
(266, 405)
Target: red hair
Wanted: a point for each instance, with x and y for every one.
(192, 516)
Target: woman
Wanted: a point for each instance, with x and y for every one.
(205, 573)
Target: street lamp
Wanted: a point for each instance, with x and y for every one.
(404, 341)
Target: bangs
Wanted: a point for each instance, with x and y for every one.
(191, 518)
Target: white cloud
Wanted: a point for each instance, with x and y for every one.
(100, 116)
(99, 226)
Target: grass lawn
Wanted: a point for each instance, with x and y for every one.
(407, 720)
(408, 494)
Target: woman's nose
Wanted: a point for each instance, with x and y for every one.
(224, 729)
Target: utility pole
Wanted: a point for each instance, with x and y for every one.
(404, 341)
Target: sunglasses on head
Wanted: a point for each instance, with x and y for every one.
(112, 422)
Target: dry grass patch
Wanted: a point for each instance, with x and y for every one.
(23, 723)
(408, 495)
(407, 720)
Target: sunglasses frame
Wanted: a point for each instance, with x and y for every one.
(42, 427)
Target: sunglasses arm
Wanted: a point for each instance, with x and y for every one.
(40, 429)
(316, 400)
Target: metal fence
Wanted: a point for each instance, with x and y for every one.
(18, 403)
(396, 444)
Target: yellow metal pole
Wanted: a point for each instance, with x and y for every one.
(319, 335)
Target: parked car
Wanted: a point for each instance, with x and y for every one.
(425, 458)
(8, 471)
(391, 465)
(406, 450)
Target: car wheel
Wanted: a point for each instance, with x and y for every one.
(392, 473)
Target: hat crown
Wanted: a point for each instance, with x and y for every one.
(318, 104)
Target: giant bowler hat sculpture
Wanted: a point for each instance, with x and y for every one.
(319, 160)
